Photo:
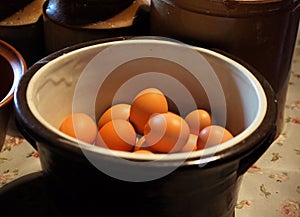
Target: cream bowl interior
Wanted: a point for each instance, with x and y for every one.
(51, 90)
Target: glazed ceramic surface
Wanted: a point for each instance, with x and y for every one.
(213, 175)
(8, 7)
(132, 20)
(262, 33)
(24, 31)
(270, 187)
(81, 12)
(12, 67)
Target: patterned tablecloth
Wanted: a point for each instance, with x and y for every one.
(270, 188)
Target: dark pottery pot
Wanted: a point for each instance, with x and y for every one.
(59, 34)
(9, 7)
(80, 12)
(262, 33)
(200, 183)
(12, 67)
(27, 38)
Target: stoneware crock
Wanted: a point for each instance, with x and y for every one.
(260, 32)
(12, 67)
(132, 20)
(80, 12)
(89, 179)
(28, 39)
(24, 31)
(8, 7)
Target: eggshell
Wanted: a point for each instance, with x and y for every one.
(149, 90)
(197, 120)
(145, 105)
(80, 126)
(118, 111)
(117, 135)
(212, 135)
(166, 132)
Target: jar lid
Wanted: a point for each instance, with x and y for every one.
(236, 8)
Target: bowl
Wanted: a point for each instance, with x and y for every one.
(12, 67)
(91, 76)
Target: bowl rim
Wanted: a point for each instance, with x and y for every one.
(18, 65)
(152, 42)
(41, 133)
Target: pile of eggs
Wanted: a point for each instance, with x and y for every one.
(146, 126)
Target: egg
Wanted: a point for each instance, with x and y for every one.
(149, 90)
(117, 134)
(117, 111)
(197, 120)
(80, 126)
(191, 144)
(213, 135)
(145, 104)
(166, 132)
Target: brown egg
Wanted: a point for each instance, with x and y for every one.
(212, 135)
(117, 135)
(148, 90)
(166, 132)
(80, 126)
(118, 111)
(144, 105)
(197, 120)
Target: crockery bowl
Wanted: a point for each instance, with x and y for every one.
(12, 66)
(91, 76)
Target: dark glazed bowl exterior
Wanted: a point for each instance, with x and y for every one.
(192, 190)
(261, 33)
(12, 67)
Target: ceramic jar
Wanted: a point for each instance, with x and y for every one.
(261, 33)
